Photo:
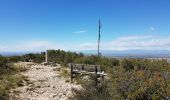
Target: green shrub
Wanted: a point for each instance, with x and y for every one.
(134, 79)
(3, 91)
(10, 77)
(148, 80)
(91, 91)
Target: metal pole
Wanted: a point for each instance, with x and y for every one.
(99, 39)
(98, 53)
(96, 75)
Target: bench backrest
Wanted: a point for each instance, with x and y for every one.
(85, 67)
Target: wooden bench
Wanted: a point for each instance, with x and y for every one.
(85, 69)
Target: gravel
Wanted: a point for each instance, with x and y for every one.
(45, 84)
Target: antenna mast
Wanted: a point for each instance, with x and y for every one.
(99, 39)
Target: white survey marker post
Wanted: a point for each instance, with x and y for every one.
(46, 56)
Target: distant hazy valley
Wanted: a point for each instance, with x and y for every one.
(110, 53)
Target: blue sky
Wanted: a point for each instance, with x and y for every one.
(34, 25)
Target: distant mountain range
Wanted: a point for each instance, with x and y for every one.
(109, 53)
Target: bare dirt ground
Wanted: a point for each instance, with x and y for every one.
(45, 83)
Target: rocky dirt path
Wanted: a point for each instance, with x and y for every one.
(45, 83)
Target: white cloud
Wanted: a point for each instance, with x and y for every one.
(132, 42)
(152, 28)
(147, 42)
(31, 46)
(135, 37)
(3, 48)
(80, 32)
(35, 45)
(87, 46)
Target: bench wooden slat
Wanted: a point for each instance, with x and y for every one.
(85, 67)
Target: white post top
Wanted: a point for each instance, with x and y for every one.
(46, 56)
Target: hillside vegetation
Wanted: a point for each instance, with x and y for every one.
(133, 79)
(10, 77)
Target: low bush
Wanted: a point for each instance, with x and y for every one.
(133, 79)
(10, 77)
(92, 91)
